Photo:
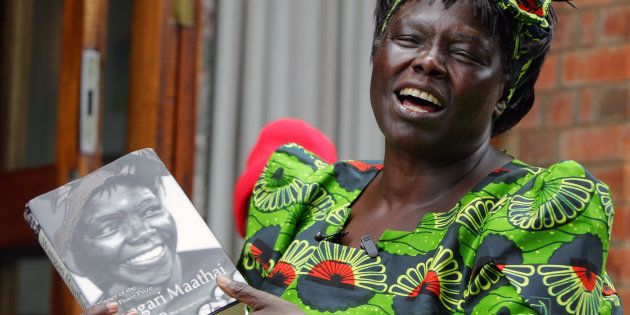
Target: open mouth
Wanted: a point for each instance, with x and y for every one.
(419, 101)
(148, 258)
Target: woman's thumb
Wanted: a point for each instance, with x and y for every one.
(241, 291)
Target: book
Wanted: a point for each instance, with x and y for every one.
(127, 233)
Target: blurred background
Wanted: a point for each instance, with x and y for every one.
(82, 82)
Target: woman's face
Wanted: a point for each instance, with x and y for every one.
(126, 234)
(436, 79)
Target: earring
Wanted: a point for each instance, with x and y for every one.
(498, 110)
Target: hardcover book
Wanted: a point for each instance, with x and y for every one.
(127, 233)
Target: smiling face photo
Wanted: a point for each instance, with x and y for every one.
(127, 232)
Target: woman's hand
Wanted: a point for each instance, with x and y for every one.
(105, 309)
(261, 302)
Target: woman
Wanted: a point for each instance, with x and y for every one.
(447, 223)
(460, 227)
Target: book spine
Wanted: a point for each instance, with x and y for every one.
(31, 221)
(55, 259)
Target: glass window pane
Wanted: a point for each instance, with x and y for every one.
(29, 74)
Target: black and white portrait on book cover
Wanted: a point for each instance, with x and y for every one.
(128, 234)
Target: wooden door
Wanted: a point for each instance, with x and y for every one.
(161, 108)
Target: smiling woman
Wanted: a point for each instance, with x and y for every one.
(445, 223)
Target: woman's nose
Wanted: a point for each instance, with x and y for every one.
(430, 63)
(139, 231)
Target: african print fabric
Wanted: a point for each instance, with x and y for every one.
(525, 240)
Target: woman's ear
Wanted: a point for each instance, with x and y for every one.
(499, 109)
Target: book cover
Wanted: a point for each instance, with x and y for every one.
(127, 233)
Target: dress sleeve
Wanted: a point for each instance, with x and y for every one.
(543, 249)
(277, 206)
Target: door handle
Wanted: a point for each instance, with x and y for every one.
(90, 96)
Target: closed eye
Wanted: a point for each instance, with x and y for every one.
(108, 230)
(408, 41)
(152, 211)
(467, 56)
(104, 229)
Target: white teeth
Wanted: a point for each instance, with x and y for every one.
(148, 257)
(415, 109)
(421, 95)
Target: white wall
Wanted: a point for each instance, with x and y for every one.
(277, 58)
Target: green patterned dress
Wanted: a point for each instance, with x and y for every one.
(524, 240)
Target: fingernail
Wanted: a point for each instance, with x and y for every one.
(132, 312)
(223, 281)
(113, 306)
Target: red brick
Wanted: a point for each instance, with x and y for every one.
(533, 118)
(599, 143)
(585, 113)
(560, 109)
(617, 265)
(584, 4)
(611, 104)
(621, 224)
(596, 65)
(616, 22)
(565, 32)
(538, 147)
(587, 26)
(548, 74)
(617, 177)
(605, 105)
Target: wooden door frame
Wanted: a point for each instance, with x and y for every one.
(163, 84)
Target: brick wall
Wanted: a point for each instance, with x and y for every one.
(582, 111)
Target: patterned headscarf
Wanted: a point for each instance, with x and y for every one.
(532, 23)
(73, 197)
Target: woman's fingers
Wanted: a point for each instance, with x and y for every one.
(106, 309)
(102, 309)
(261, 302)
(243, 292)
